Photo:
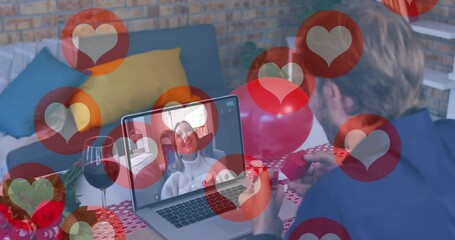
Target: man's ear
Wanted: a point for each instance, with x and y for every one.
(337, 99)
(349, 105)
(332, 94)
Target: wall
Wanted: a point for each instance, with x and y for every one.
(439, 55)
(266, 22)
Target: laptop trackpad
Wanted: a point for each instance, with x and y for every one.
(229, 226)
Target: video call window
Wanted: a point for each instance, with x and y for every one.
(174, 152)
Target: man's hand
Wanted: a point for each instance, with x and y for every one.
(321, 164)
(263, 208)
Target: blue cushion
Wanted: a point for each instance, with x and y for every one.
(200, 60)
(20, 99)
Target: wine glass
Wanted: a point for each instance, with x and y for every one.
(99, 161)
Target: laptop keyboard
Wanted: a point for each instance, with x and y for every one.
(198, 209)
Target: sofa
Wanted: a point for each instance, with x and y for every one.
(200, 60)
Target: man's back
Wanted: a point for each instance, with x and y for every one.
(415, 201)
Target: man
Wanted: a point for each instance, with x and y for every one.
(417, 199)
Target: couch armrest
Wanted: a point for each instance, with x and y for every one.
(38, 153)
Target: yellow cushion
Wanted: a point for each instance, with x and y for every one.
(134, 86)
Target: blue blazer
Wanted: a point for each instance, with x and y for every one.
(415, 201)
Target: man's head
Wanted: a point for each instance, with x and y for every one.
(387, 81)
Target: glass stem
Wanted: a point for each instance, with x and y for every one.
(103, 197)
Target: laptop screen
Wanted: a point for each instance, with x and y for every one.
(182, 150)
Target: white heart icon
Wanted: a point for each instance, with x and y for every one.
(104, 229)
(328, 236)
(329, 45)
(79, 229)
(194, 113)
(143, 152)
(269, 74)
(291, 71)
(82, 230)
(56, 112)
(367, 149)
(278, 87)
(353, 138)
(246, 195)
(94, 42)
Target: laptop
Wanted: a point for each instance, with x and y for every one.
(172, 201)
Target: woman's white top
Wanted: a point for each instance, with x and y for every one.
(191, 178)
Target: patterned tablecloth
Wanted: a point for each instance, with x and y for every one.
(134, 228)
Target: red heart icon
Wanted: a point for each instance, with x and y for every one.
(57, 141)
(410, 8)
(333, 42)
(365, 169)
(79, 49)
(40, 200)
(320, 228)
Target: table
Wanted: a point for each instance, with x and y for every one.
(119, 201)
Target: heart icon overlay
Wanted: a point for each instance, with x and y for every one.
(55, 124)
(333, 41)
(367, 147)
(66, 128)
(278, 87)
(179, 114)
(32, 204)
(189, 104)
(145, 152)
(328, 236)
(410, 8)
(93, 37)
(223, 176)
(320, 229)
(40, 191)
(104, 228)
(292, 72)
(370, 148)
(95, 42)
(92, 222)
(248, 200)
(277, 81)
(82, 230)
(283, 85)
(329, 44)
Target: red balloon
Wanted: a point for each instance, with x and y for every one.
(269, 136)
